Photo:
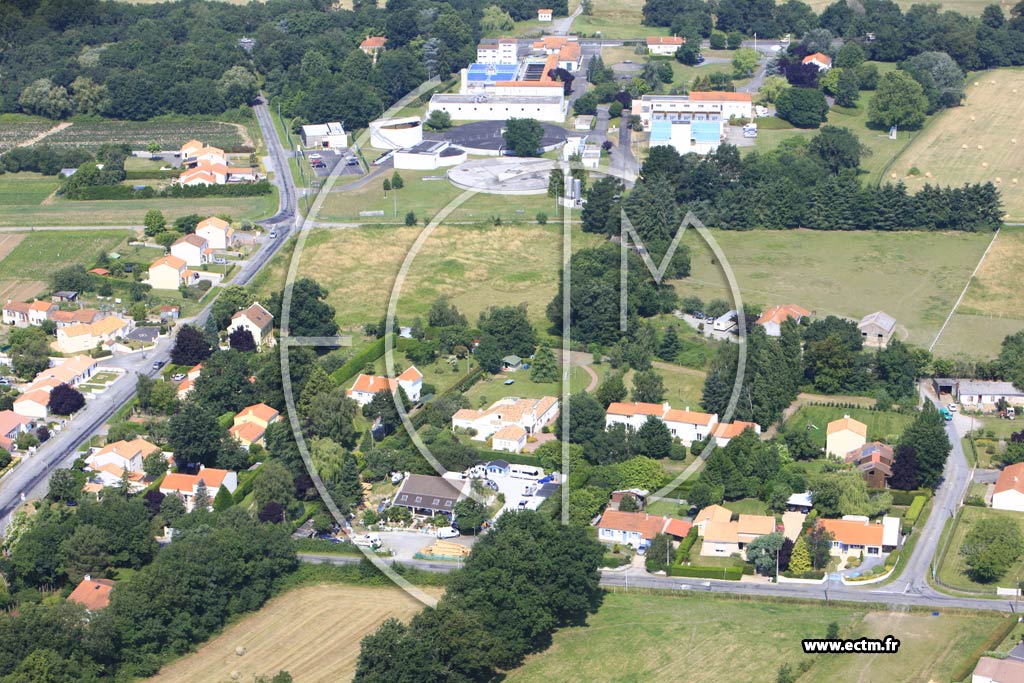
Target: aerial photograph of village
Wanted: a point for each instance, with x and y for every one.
(481, 341)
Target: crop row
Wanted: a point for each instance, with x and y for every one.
(11, 134)
(138, 134)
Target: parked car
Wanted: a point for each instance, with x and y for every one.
(368, 540)
(221, 261)
(177, 377)
(946, 415)
(273, 234)
(157, 364)
(952, 407)
(509, 381)
(448, 532)
(5, 382)
(351, 161)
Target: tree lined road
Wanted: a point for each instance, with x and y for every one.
(29, 479)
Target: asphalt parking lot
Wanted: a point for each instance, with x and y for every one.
(331, 158)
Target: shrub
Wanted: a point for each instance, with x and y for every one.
(697, 572)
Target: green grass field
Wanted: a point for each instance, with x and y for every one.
(882, 426)
(490, 389)
(41, 253)
(616, 19)
(709, 640)
(952, 571)
(425, 198)
(477, 267)
(914, 276)
(683, 386)
(22, 204)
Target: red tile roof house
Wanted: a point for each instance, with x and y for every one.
(11, 425)
(638, 529)
(772, 319)
(874, 461)
(185, 486)
(1009, 490)
(94, 594)
(665, 45)
(367, 386)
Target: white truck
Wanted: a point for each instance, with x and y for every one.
(368, 541)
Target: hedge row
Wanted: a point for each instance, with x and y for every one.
(99, 192)
(683, 553)
(324, 547)
(910, 519)
(244, 488)
(991, 643)
(151, 174)
(817, 575)
(613, 561)
(356, 363)
(726, 573)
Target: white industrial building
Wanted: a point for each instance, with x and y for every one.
(500, 107)
(429, 155)
(590, 154)
(324, 135)
(396, 133)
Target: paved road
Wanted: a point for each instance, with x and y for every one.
(29, 478)
(625, 161)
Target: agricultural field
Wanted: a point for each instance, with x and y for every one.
(882, 426)
(25, 189)
(952, 571)
(970, 8)
(41, 253)
(19, 128)
(979, 142)
(993, 290)
(170, 133)
(477, 267)
(425, 193)
(672, 638)
(833, 273)
(313, 633)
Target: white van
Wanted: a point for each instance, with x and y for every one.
(368, 540)
(448, 532)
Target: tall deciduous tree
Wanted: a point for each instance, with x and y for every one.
(190, 346)
(991, 547)
(898, 101)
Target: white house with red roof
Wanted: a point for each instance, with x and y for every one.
(167, 272)
(185, 486)
(194, 250)
(528, 415)
(771, 320)
(367, 386)
(638, 529)
(250, 424)
(664, 45)
(724, 432)
(126, 455)
(373, 45)
(686, 425)
(21, 314)
(820, 60)
(1009, 490)
(545, 14)
(35, 399)
(11, 426)
(258, 321)
(217, 232)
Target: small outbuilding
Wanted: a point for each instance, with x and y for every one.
(876, 329)
(325, 136)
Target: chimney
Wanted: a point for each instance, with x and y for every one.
(87, 577)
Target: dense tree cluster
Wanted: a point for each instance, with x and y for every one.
(527, 578)
(810, 184)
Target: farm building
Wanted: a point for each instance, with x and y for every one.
(984, 395)
(664, 45)
(1009, 491)
(324, 136)
(876, 329)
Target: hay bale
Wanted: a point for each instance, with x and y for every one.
(239, 650)
(976, 84)
(236, 675)
(980, 147)
(964, 146)
(992, 82)
(998, 179)
(1014, 181)
(984, 164)
(893, 176)
(928, 174)
(972, 117)
(1013, 141)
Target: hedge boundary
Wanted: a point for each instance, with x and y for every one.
(697, 572)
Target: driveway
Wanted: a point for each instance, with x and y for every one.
(405, 544)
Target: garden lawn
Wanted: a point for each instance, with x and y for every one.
(952, 571)
(491, 388)
(439, 373)
(979, 142)
(683, 386)
(837, 273)
(882, 426)
(747, 506)
(703, 639)
(476, 267)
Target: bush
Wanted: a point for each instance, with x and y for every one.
(683, 552)
(910, 519)
(816, 575)
(542, 218)
(697, 572)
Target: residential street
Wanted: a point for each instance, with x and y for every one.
(29, 478)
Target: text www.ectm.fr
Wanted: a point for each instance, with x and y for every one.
(887, 645)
